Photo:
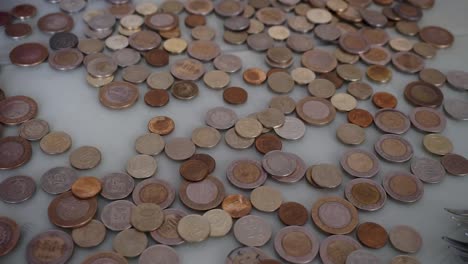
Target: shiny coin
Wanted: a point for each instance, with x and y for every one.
(319, 61)
(379, 73)
(266, 199)
(319, 16)
(86, 157)
(28, 54)
(191, 194)
(10, 235)
(401, 44)
(154, 191)
(167, 233)
(458, 79)
(292, 128)
(149, 144)
(457, 109)
(205, 137)
(175, 45)
(392, 121)
(360, 117)
(220, 222)
(14, 152)
(280, 82)
(326, 175)
(86, 187)
(161, 125)
(437, 36)
(351, 134)
(130, 242)
(293, 214)
(279, 33)
(216, 79)
(384, 100)
(423, 94)
(408, 62)
(125, 57)
(360, 163)
(237, 142)
(437, 144)
(405, 239)
(34, 129)
(39, 250)
(194, 228)
(372, 235)
(60, 214)
(116, 215)
(315, 111)
(365, 194)
(147, 217)
(246, 174)
(141, 166)
(427, 119)
(428, 170)
(343, 102)
(116, 186)
(187, 69)
(99, 82)
(55, 22)
(179, 148)
(455, 164)
(393, 148)
(278, 163)
(56, 142)
(296, 244)
(58, 180)
(220, 118)
(17, 189)
(432, 76)
(90, 235)
(253, 231)
(360, 90)
(403, 186)
(160, 80)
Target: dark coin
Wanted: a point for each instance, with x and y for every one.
(156, 97)
(192, 21)
(185, 90)
(292, 213)
(421, 93)
(167, 233)
(203, 195)
(9, 235)
(408, 62)
(58, 180)
(24, 11)
(246, 254)
(55, 22)
(268, 142)
(194, 170)
(455, 164)
(260, 42)
(17, 189)
(157, 57)
(300, 43)
(18, 30)
(408, 12)
(235, 95)
(14, 152)
(17, 109)
(5, 18)
(28, 54)
(354, 43)
(52, 246)
(63, 40)
(372, 235)
(437, 36)
(207, 159)
(117, 186)
(67, 211)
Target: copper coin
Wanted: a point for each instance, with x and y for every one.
(5, 18)
(300, 42)
(336, 249)
(114, 258)
(296, 244)
(17, 189)
(24, 11)
(268, 142)
(156, 97)
(116, 215)
(423, 94)
(58, 180)
(157, 57)
(335, 215)
(154, 191)
(360, 117)
(52, 246)
(14, 152)
(10, 235)
(235, 95)
(437, 36)
(67, 211)
(194, 170)
(207, 159)
(203, 195)
(161, 125)
(228, 8)
(315, 111)
(455, 164)
(392, 121)
(376, 37)
(236, 205)
(55, 23)
(428, 119)
(18, 30)
(17, 109)
(118, 95)
(403, 186)
(293, 214)
(425, 50)
(246, 174)
(319, 61)
(365, 194)
(192, 21)
(255, 76)
(86, 187)
(379, 73)
(384, 100)
(117, 186)
(372, 235)
(408, 62)
(405, 239)
(203, 50)
(28, 54)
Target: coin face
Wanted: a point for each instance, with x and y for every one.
(118, 95)
(253, 231)
(34, 129)
(116, 186)
(437, 36)
(14, 152)
(428, 170)
(147, 217)
(392, 121)
(403, 186)
(315, 111)
(319, 61)
(191, 194)
(360, 163)
(428, 119)
(405, 239)
(228, 63)
(17, 189)
(293, 214)
(39, 249)
(423, 94)
(179, 148)
(17, 109)
(86, 157)
(142, 166)
(365, 194)
(405, 259)
(458, 79)
(55, 22)
(130, 242)
(455, 164)
(337, 248)
(86, 187)
(58, 180)
(149, 144)
(296, 244)
(408, 62)
(194, 228)
(393, 148)
(220, 222)
(160, 253)
(384, 100)
(324, 214)
(372, 235)
(235, 95)
(360, 117)
(117, 214)
(279, 163)
(221, 118)
(437, 144)
(360, 90)
(237, 142)
(10, 235)
(246, 174)
(359, 256)
(67, 211)
(167, 233)
(90, 235)
(105, 256)
(246, 254)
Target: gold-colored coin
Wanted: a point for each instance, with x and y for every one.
(220, 222)
(401, 44)
(248, 127)
(56, 142)
(437, 144)
(302, 76)
(278, 32)
(349, 72)
(343, 102)
(175, 45)
(99, 82)
(379, 73)
(194, 228)
(146, 8)
(266, 198)
(319, 16)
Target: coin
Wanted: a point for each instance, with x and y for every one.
(207, 159)
(17, 189)
(203, 50)
(220, 118)
(284, 103)
(360, 163)
(427, 119)
(432, 76)
(360, 117)
(10, 235)
(56, 142)
(63, 40)
(58, 180)
(28, 54)
(372, 235)
(247, 253)
(34, 129)
(349, 72)
(336, 248)
(39, 248)
(266, 199)
(376, 56)
(147, 217)
(353, 43)
(403, 186)
(293, 214)
(315, 111)
(85, 157)
(203, 195)
(379, 73)
(458, 79)
(205, 137)
(101, 67)
(160, 253)
(246, 174)
(384, 100)
(437, 36)
(203, 33)
(455, 164)
(408, 62)
(141, 166)
(360, 90)
(194, 228)
(167, 233)
(86, 187)
(296, 244)
(320, 61)
(365, 194)
(425, 50)
(248, 127)
(405, 239)
(14, 152)
(359, 256)
(324, 176)
(280, 82)
(194, 170)
(351, 134)
(157, 57)
(18, 30)
(118, 95)
(393, 148)
(376, 37)
(253, 231)
(405, 259)
(117, 214)
(343, 102)
(23, 11)
(90, 235)
(236, 205)
(105, 256)
(428, 170)
(187, 69)
(237, 142)
(72, 6)
(437, 144)
(271, 16)
(149, 144)
(116, 186)
(160, 80)
(156, 98)
(456, 109)
(67, 211)
(228, 63)
(55, 22)
(179, 148)
(423, 94)
(220, 222)
(326, 210)
(192, 21)
(327, 32)
(125, 57)
(392, 121)
(216, 79)
(278, 163)
(235, 95)
(344, 57)
(144, 40)
(130, 242)
(292, 128)
(300, 42)
(65, 59)
(174, 7)
(297, 174)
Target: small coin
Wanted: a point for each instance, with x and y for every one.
(160, 80)
(117, 214)
(372, 235)
(167, 233)
(194, 170)
(205, 137)
(384, 100)
(157, 57)
(321, 88)
(455, 164)
(101, 67)
(203, 195)
(360, 117)
(403, 186)
(141, 166)
(425, 50)
(34, 129)
(39, 250)
(156, 98)
(437, 144)
(146, 8)
(428, 170)
(179, 148)
(271, 16)
(401, 44)
(315, 111)
(17, 189)
(360, 90)
(67, 211)
(297, 174)
(345, 57)
(56, 142)
(252, 231)
(58, 180)
(409, 28)
(10, 235)
(333, 77)
(63, 40)
(86, 187)
(149, 144)
(343, 102)
(428, 119)
(408, 62)
(296, 244)
(116, 186)
(237, 142)
(192, 20)
(147, 217)
(246, 174)
(320, 61)
(161, 125)
(360, 163)
(185, 90)
(85, 157)
(365, 194)
(220, 222)
(220, 118)
(393, 148)
(405, 239)
(125, 57)
(235, 95)
(203, 33)
(335, 215)
(293, 214)
(23, 11)
(194, 228)
(255, 76)
(236, 205)
(216, 79)
(326, 175)
(423, 94)
(284, 103)
(207, 159)
(392, 121)
(351, 134)
(458, 79)
(266, 199)
(159, 253)
(130, 243)
(376, 37)
(90, 235)
(300, 43)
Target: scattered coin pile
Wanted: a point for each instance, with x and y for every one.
(283, 30)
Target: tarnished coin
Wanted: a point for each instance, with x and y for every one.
(401, 44)
(351, 134)
(156, 98)
(360, 163)
(327, 32)
(23, 11)
(228, 63)
(402, 259)
(428, 170)
(90, 235)
(292, 128)
(300, 42)
(326, 175)
(384, 100)
(67, 211)
(149, 144)
(130, 243)
(86, 157)
(179, 148)
(237, 142)
(320, 61)
(235, 37)
(118, 95)
(437, 144)
(297, 174)
(144, 40)
(203, 50)
(65, 59)
(117, 214)
(58, 180)
(345, 57)
(360, 90)
(278, 163)
(302, 76)
(337, 248)
(216, 79)
(354, 43)
(220, 222)
(421, 93)
(246, 174)
(335, 215)
(17, 109)
(207, 159)
(18, 31)
(203, 32)
(247, 254)
(56, 142)
(159, 254)
(167, 233)
(365, 194)
(14, 152)
(101, 67)
(455, 164)
(39, 249)
(437, 36)
(194, 228)
(63, 40)
(332, 77)
(174, 7)
(405, 239)
(271, 118)
(343, 102)
(266, 199)
(34, 129)
(221, 118)
(162, 21)
(360, 117)
(293, 214)
(425, 50)
(403, 186)
(376, 37)
(10, 235)
(86, 187)
(203, 195)
(280, 82)
(252, 231)
(376, 56)
(458, 79)
(55, 22)
(187, 69)
(248, 127)
(393, 148)
(409, 28)
(296, 244)
(194, 170)
(392, 121)
(432, 76)
(372, 235)
(456, 108)
(142, 166)
(17, 189)
(408, 62)
(147, 217)
(114, 258)
(315, 111)
(428, 119)
(284, 103)
(116, 186)
(125, 57)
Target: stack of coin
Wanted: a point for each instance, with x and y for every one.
(101, 71)
(279, 57)
(99, 25)
(166, 24)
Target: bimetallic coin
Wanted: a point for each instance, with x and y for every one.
(118, 94)
(337, 248)
(403, 186)
(167, 233)
(17, 189)
(315, 111)
(335, 215)
(360, 163)
(39, 249)
(405, 239)
(246, 174)
(203, 195)
(393, 148)
(58, 180)
(10, 235)
(392, 121)
(142, 166)
(252, 231)
(428, 170)
(296, 244)
(421, 93)
(365, 194)
(130, 243)
(67, 211)
(428, 119)
(65, 59)
(220, 222)
(437, 144)
(14, 152)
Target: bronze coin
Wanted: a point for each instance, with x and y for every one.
(437, 36)
(207, 159)
(332, 77)
(203, 195)
(192, 21)
(360, 117)
(118, 95)
(161, 125)
(5, 18)
(14, 152)
(157, 57)
(86, 187)
(421, 93)
(237, 205)
(372, 235)
(375, 36)
(55, 22)
(9, 235)
(384, 100)
(255, 76)
(185, 90)
(67, 211)
(408, 12)
(28, 54)
(194, 170)
(17, 109)
(292, 213)
(156, 97)
(24, 11)
(235, 95)
(18, 30)
(379, 73)
(268, 142)
(121, 10)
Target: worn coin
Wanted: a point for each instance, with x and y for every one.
(216, 79)
(354, 43)
(67, 211)
(116, 185)
(437, 144)
(237, 142)
(458, 79)
(327, 32)
(456, 108)
(14, 152)
(372, 235)
(432, 76)
(377, 56)
(281, 82)
(337, 248)
(266, 199)
(86, 187)
(118, 95)
(23, 11)
(365, 194)
(253, 231)
(156, 98)
(425, 50)
(428, 170)
(351, 134)
(149, 144)
(408, 62)
(278, 163)
(72, 6)
(402, 259)
(117, 214)
(207, 159)
(55, 22)
(167, 233)
(56, 142)
(147, 217)
(144, 40)
(187, 69)
(293, 214)
(393, 148)
(247, 254)
(360, 90)
(376, 37)
(284, 103)
(135, 73)
(246, 174)
(360, 163)
(379, 73)
(421, 93)
(194, 170)
(203, 195)
(326, 175)
(345, 57)
(437, 36)
(18, 30)
(115, 258)
(292, 128)
(58, 180)
(65, 59)
(248, 127)
(220, 118)
(405, 239)
(192, 20)
(85, 157)
(392, 121)
(455, 164)
(63, 40)
(203, 50)
(203, 32)
(10, 235)
(335, 215)
(349, 72)
(194, 228)
(428, 119)
(271, 118)
(179, 148)
(403, 186)
(101, 67)
(401, 44)
(315, 111)
(17, 189)
(343, 102)
(384, 100)
(296, 244)
(52, 246)
(90, 235)
(130, 242)
(300, 43)
(362, 256)
(228, 63)
(320, 61)
(271, 16)
(297, 174)
(220, 222)
(28, 54)
(34, 129)
(159, 254)
(160, 80)
(141, 166)
(205, 137)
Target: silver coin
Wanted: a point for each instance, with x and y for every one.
(456, 108)
(298, 173)
(458, 79)
(428, 119)
(126, 57)
(367, 188)
(58, 180)
(293, 128)
(102, 22)
(392, 121)
(279, 163)
(72, 6)
(252, 231)
(17, 189)
(117, 186)
(116, 215)
(403, 186)
(360, 163)
(228, 63)
(393, 148)
(246, 174)
(221, 118)
(428, 170)
(34, 129)
(362, 257)
(405, 238)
